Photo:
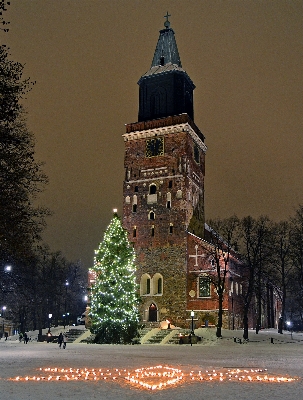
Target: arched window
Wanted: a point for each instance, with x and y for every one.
(135, 200)
(158, 103)
(179, 194)
(152, 313)
(145, 286)
(152, 194)
(157, 288)
(152, 189)
(151, 215)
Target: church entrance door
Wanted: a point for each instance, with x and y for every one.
(152, 315)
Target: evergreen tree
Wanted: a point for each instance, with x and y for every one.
(21, 177)
(114, 299)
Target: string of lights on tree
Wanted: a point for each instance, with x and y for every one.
(113, 297)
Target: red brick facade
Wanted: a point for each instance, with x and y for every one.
(160, 194)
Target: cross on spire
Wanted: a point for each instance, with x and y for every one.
(167, 23)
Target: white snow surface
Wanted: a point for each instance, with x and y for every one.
(282, 357)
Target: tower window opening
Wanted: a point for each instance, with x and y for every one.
(162, 60)
(136, 189)
(153, 189)
(168, 200)
(152, 215)
(171, 228)
(135, 232)
(153, 230)
(170, 184)
(135, 200)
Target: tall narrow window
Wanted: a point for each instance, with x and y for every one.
(152, 215)
(204, 286)
(170, 184)
(157, 284)
(168, 200)
(171, 228)
(135, 232)
(136, 188)
(135, 200)
(160, 286)
(153, 230)
(153, 189)
(147, 285)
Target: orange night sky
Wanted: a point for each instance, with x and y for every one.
(245, 58)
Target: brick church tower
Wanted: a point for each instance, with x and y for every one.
(163, 186)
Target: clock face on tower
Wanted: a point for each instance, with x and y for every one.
(155, 147)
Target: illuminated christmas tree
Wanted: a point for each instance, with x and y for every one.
(114, 299)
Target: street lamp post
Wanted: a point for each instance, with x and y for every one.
(65, 306)
(192, 314)
(3, 309)
(49, 321)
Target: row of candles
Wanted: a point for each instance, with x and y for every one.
(154, 378)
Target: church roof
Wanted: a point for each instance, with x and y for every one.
(166, 50)
(166, 56)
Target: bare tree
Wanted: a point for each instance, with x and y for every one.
(254, 234)
(296, 254)
(281, 270)
(223, 238)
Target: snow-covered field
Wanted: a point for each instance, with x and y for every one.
(283, 357)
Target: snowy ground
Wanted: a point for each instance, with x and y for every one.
(282, 357)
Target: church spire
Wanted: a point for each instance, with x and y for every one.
(165, 89)
(166, 50)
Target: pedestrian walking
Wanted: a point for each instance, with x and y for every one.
(20, 337)
(60, 339)
(64, 341)
(25, 338)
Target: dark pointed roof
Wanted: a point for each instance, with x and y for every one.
(165, 89)
(166, 56)
(166, 50)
